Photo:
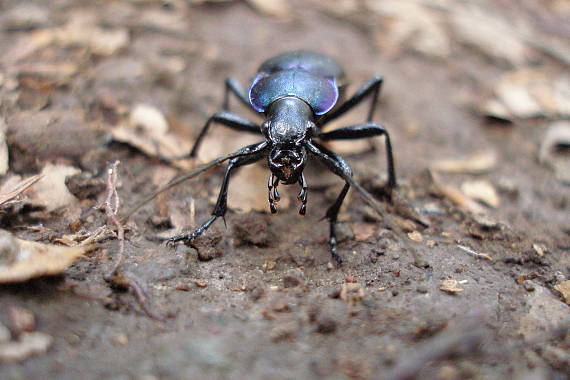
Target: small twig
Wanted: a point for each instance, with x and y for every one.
(475, 254)
(115, 276)
(111, 212)
(19, 188)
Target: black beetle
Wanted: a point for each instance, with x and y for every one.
(298, 93)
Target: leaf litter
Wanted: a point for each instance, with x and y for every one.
(23, 260)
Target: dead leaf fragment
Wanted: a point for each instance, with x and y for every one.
(51, 191)
(147, 130)
(9, 191)
(564, 289)
(82, 30)
(412, 25)
(3, 148)
(275, 8)
(457, 197)
(248, 191)
(450, 286)
(557, 136)
(476, 163)
(31, 259)
(363, 231)
(482, 191)
(490, 33)
(29, 344)
(528, 93)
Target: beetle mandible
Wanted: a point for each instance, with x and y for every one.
(297, 92)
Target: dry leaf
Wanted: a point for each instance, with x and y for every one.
(147, 130)
(450, 286)
(528, 93)
(248, 190)
(4, 166)
(82, 30)
(46, 74)
(51, 191)
(564, 288)
(363, 231)
(489, 33)
(476, 163)
(457, 197)
(482, 191)
(412, 25)
(276, 8)
(557, 136)
(22, 260)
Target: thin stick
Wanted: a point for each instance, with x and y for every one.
(114, 276)
(19, 188)
(111, 212)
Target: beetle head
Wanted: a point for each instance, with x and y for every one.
(287, 162)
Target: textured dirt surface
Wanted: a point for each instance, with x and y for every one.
(261, 299)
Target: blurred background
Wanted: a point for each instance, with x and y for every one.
(476, 98)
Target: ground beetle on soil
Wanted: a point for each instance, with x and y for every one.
(298, 93)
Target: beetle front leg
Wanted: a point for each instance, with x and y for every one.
(222, 203)
(338, 166)
(303, 195)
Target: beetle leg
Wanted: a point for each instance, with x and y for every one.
(222, 204)
(227, 119)
(303, 195)
(373, 86)
(364, 130)
(272, 183)
(339, 167)
(232, 86)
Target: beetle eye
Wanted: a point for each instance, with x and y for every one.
(265, 128)
(311, 128)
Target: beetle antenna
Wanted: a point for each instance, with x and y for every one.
(194, 173)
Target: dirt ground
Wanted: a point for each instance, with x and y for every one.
(477, 101)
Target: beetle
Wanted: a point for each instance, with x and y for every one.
(298, 93)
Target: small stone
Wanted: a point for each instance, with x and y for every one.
(450, 286)
(422, 289)
(200, 283)
(416, 236)
(286, 330)
(292, 278)
(21, 320)
(253, 229)
(84, 186)
(528, 286)
(121, 340)
(326, 325)
(540, 249)
(564, 289)
(183, 287)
